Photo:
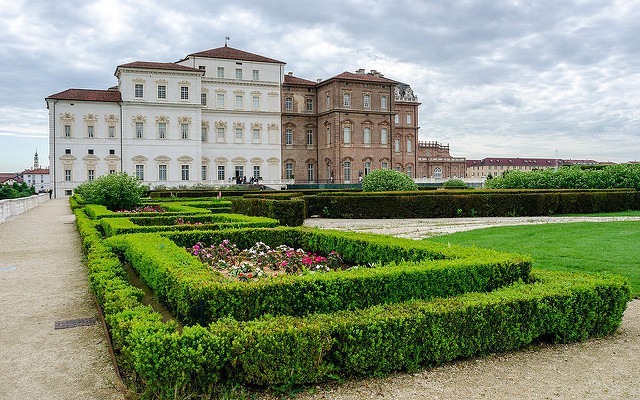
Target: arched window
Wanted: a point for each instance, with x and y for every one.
(437, 173)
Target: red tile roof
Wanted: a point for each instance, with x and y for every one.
(293, 80)
(158, 65)
(39, 171)
(229, 53)
(5, 176)
(362, 77)
(88, 95)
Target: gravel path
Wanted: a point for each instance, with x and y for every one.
(421, 228)
(43, 280)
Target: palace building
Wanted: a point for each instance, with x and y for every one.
(224, 113)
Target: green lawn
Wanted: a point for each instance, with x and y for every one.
(581, 247)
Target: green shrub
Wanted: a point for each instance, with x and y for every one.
(290, 212)
(114, 191)
(454, 184)
(384, 180)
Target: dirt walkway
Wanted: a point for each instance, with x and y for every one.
(43, 280)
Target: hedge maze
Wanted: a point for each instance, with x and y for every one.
(408, 304)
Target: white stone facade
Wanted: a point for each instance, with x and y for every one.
(172, 124)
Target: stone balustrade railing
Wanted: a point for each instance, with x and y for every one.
(12, 207)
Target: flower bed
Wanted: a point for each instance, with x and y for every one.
(146, 209)
(260, 260)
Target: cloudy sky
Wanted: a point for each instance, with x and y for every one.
(495, 78)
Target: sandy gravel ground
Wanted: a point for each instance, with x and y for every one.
(43, 280)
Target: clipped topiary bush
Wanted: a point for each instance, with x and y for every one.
(385, 180)
(454, 184)
(114, 191)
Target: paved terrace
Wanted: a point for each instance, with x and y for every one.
(43, 283)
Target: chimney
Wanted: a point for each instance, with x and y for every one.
(290, 73)
(360, 71)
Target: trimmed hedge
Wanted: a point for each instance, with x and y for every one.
(95, 211)
(450, 204)
(199, 295)
(290, 212)
(118, 226)
(166, 363)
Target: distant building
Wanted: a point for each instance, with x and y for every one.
(9, 178)
(37, 177)
(436, 162)
(496, 166)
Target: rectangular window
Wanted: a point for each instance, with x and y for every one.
(347, 171)
(162, 130)
(184, 131)
(90, 151)
(162, 172)
(184, 92)
(140, 171)
(383, 102)
(91, 174)
(112, 131)
(68, 192)
(397, 145)
(288, 136)
(255, 102)
(367, 168)
(328, 135)
(347, 135)
(367, 101)
(67, 131)
(408, 119)
(221, 176)
(309, 137)
(346, 100)
(90, 131)
(203, 134)
(256, 171)
(238, 134)
(238, 73)
(239, 171)
(288, 171)
(256, 134)
(203, 99)
(162, 91)
(112, 151)
(67, 175)
(203, 173)
(328, 100)
(409, 145)
(309, 104)
(139, 130)
(220, 134)
(112, 171)
(67, 151)
(256, 75)
(311, 175)
(384, 165)
(288, 103)
(397, 119)
(367, 136)
(239, 101)
(384, 137)
(184, 169)
(410, 171)
(202, 67)
(220, 100)
(220, 72)
(138, 91)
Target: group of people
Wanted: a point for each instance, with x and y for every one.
(242, 180)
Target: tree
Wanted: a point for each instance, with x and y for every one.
(115, 191)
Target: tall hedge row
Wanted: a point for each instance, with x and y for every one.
(471, 204)
(289, 212)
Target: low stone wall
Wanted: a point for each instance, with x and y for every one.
(13, 207)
